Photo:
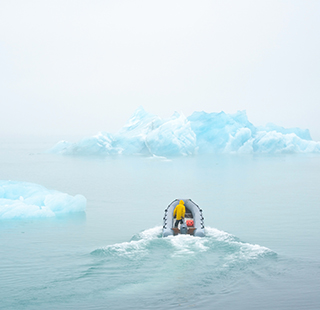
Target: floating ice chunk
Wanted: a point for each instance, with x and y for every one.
(276, 142)
(28, 200)
(238, 141)
(213, 130)
(200, 133)
(141, 123)
(13, 209)
(174, 137)
(101, 144)
(61, 147)
(131, 139)
(63, 203)
(301, 133)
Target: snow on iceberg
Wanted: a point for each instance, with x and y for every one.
(200, 133)
(28, 200)
(101, 144)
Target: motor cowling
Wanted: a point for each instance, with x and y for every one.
(183, 228)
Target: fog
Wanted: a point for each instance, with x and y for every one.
(78, 67)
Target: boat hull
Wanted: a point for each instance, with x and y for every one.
(192, 210)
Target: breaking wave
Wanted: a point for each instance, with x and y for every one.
(191, 266)
(225, 247)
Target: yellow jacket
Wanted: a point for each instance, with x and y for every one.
(179, 210)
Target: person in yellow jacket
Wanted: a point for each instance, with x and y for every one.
(179, 213)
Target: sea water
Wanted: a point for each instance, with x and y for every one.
(261, 249)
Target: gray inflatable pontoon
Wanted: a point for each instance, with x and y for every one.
(193, 212)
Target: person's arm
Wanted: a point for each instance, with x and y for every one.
(183, 212)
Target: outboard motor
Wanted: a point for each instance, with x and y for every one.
(183, 228)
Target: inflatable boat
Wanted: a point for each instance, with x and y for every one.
(193, 223)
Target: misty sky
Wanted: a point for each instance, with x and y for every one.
(79, 67)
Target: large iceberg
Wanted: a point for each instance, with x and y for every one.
(200, 133)
(28, 200)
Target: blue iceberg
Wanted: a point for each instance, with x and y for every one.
(28, 200)
(200, 133)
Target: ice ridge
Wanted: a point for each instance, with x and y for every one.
(200, 133)
(29, 200)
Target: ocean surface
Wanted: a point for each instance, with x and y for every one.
(261, 250)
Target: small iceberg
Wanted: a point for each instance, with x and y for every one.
(20, 200)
